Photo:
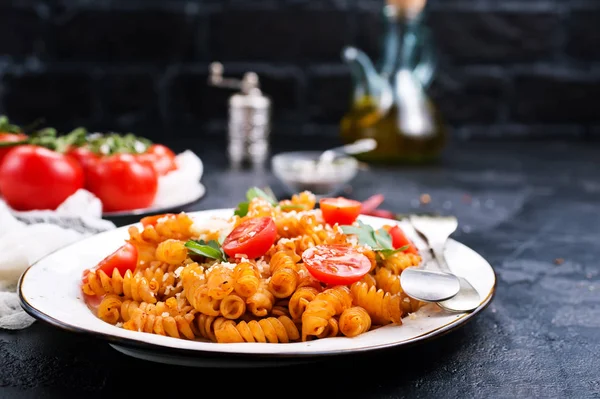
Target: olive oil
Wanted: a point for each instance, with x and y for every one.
(394, 145)
(390, 104)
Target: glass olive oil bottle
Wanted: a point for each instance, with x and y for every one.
(390, 104)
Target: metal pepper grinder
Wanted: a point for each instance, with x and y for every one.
(249, 117)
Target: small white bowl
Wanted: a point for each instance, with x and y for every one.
(301, 170)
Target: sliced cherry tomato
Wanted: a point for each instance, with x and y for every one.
(122, 182)
(34, 177)
(336, 264)
(123, 259)
(152, 220)
(339, 210)
(161, 157)
(399, 239)
(9, 138)
(252, 238)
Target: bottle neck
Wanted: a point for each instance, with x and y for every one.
(399, 41)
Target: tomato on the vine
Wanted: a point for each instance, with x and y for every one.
(252, 238)
(161, 157)
(9, 138)
(339, 210)
(83, 155)
(122, 182)
(336, 264)
(400, 240)
(33, 177)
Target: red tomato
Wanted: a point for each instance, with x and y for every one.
(161, 157)
(151, 220)
(399, 239)
(253, 238)
(33, 177)
(123, 259)
(84, 156)
(336, 264)
(9, 138)
(122, 182)
(339, 210)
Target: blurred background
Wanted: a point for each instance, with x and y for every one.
(527, 69)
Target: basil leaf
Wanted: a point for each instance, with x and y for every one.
(379, 240)
(351, 230)
(363, 233)
(388, 252)
(205, 250)
(242, 209)
(384, 238)
(257, 192)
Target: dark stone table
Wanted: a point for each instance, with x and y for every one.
(531, 208)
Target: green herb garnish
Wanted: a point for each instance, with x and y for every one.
(254, 192)
(211, 249)
(379, 240)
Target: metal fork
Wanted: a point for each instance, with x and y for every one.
(436, 230)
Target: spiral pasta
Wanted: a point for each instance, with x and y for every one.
(270, 329)
(180, 326)
(247, 279)
(147, 238)
(327, 304)
(109, 308)
(399, 261)
(284, 274)
(134, 286)
(278, 297)
(354, 321)
(300, 300)
(383, 307)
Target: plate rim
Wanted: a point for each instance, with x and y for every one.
(460, 320)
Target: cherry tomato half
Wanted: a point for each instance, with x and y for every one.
(252, 238)
(123, 259)
(399, 239)
(339, 210)
(336, 264)
(122, 182)
(33, 177)
(152, 220)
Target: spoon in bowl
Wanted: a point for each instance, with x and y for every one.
(357, 147)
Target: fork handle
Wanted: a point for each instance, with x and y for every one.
(437, 248)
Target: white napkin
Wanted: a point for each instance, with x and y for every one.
(26, 237)
(182, 185)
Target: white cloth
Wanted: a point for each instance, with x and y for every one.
(26, 237)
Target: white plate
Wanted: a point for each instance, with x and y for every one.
(50, 291)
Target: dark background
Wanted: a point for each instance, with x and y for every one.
(508, 69)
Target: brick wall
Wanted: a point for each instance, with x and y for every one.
(528, 68)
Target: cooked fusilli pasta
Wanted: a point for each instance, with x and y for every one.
(294, 291)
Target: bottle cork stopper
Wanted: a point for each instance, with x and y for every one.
(410, 7)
